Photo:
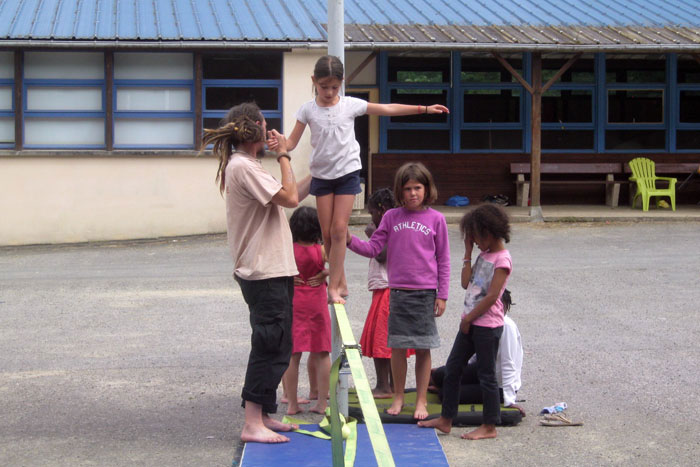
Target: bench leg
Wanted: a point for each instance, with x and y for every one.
(612, 192)
(522, 192)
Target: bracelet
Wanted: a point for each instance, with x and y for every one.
(279, 156)
(426, 110)
(465, 261)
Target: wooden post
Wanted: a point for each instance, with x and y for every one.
(19, 107)
(535, 154)
(109, 100)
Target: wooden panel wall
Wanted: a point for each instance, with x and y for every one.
(476, 175)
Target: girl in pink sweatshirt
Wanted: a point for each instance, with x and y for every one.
(418, 269)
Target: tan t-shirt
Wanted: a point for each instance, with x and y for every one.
(258, 231)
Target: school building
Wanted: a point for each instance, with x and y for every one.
(102, 103)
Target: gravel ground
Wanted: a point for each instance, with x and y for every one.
(133, 353)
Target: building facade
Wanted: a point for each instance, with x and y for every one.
(102, 106)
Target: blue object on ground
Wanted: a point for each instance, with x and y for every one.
(410, 445)
(457, 201)
(560, 407)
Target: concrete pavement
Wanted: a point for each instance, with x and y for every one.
(132, 353)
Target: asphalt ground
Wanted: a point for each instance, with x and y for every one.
(133, 353)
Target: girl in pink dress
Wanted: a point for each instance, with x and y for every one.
(311, 322)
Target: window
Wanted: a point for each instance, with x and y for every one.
(635, 103)
(153, 100)
(567, 106)
(416, 79)
(7, 86)
(688, 89)
(64, 100)
(231, 79)
(491, 104)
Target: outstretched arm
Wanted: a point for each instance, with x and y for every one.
(394, 110)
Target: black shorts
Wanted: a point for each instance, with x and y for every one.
(348, 184)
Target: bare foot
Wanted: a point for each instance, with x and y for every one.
(293, 409)
(344, 293)
(421, 411)
(302, 400)
(319, 408)
(483, 432)
(335, 297)
(276, 425)
(261, 434)
(396, 407)
(443, 424)
(313, 396)
(382, 394)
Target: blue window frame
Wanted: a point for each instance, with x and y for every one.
(176, 107)
(685, 131)
(490, 105)
(568, 106)
(49, 114)
(7, 113)
(230, 79)
(408, 79)
(633, 104)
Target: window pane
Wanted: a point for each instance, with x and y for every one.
(217, 98)
(688, 70)
(154, 99)
(491, 105)
(567, 106)
(488, 140)
(153, 132)
(628, 106)
(688, 139)
(7, 65)
(582, 71)
(635, 139)
(64, 65)
(144, 65)
(422, 97)
(6, 98)
(64, 98)
(690, 107)
(567, 139)
(64, 131)
(7, 130)
(488, 70)
(246, 65)
(437, 140)
(632, 70)
(416, 68)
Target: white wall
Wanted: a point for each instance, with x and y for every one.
(81, 199)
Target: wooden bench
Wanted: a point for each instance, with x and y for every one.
(612, 186)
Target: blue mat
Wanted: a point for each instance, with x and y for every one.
(410, 445)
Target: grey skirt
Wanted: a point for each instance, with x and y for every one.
(412, 320)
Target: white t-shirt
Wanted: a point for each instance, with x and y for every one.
(336, 152)
(258, 232)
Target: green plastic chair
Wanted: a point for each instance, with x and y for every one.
(644, 174)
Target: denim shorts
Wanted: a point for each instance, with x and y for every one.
(348, 184)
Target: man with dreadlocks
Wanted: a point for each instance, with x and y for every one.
(261, 247)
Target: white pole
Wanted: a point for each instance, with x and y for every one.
(336, 46)
(336, 31)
